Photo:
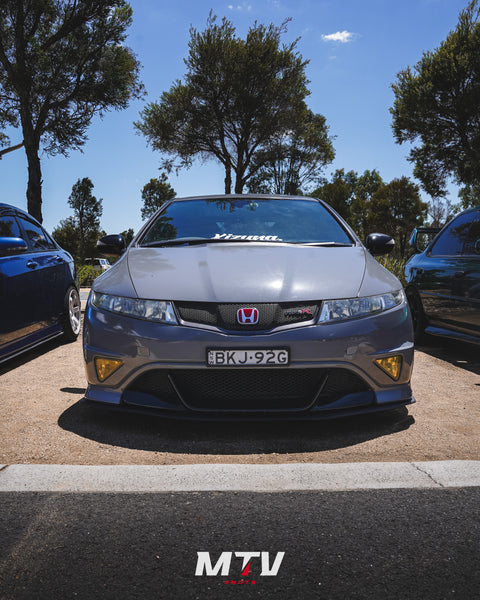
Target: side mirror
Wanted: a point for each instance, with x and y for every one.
(12, 245)
(428, 234)
(379, 244)
(111, 245)
(477, 247)
(412, 242)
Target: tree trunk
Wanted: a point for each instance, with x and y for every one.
(238, 186)
(228, 179)
(34, 187)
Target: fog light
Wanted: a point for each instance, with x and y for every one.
(106, 366)
(391, 365)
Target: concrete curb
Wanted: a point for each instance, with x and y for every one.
(238, 477)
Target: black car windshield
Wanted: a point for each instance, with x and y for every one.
(245, 219)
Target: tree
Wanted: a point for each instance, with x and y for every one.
(87, 212)
(395, 209)
(62, 62)
(469, 196)
(439, 212)
(238, 96)
(294, 160)
(155, 193)
(350, 195)
(128, 235)
(364, 187)
(338, 192)
(66, 234)
(437, 107)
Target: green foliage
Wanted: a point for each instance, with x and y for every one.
(364, 187)
(238, 96)
(295, 160)
(79, 233)
(350, 194)
(395, 209)
(62, 62)
(338, 193)
(155, 193)
(128, 236)
(87, 275)
(369, 205)
(469, 196)
(66, 234)
(87, 212)
(395, 266)
(437, 108)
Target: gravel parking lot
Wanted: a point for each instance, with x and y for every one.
(42, 420)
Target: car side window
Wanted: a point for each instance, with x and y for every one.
(38, 237)
(9, 227)
(473, 236)
(451, 241)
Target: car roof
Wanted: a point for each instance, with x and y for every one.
(245, 197)
(3, 205)
(7, 207)
(467, 210)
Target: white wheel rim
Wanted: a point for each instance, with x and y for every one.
(74, 311)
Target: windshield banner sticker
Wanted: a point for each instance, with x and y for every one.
(255, 238)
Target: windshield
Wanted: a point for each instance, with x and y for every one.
(255, 220)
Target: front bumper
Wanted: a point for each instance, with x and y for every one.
(331, 371)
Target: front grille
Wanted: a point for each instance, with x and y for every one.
(224, 315)
(248, 389)
(243, 390)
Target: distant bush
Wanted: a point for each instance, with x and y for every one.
(395, 266)
(86, 275)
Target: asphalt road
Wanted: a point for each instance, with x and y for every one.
(399, 545)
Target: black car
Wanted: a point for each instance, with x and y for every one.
(39, 297)
(443, 281)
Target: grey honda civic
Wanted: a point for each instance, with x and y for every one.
(248, 307)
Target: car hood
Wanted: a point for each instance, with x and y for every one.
(246, 273)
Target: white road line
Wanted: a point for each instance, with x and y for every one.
(238, 477)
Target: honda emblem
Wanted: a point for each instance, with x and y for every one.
(248, 316)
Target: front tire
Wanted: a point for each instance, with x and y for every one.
(418, 315)
(72, 315)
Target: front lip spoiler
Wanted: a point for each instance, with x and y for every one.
(319, 415)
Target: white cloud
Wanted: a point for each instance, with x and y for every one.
(243, 6)
(340, 36)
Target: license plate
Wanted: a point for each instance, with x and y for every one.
(248, 358)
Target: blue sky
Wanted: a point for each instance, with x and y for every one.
(355, 49)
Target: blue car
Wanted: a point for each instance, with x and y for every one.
(443, 281)
(38, 293)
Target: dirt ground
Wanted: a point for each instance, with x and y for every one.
(43, 421)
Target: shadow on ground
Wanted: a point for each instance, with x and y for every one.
(29, 355)
(460, 354)
(157, 434)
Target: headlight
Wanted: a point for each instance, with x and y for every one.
(351, 308)
(159, 311)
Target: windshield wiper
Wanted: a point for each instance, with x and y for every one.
(327, 244)
(190, 242)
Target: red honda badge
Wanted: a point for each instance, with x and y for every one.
(248, 316)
